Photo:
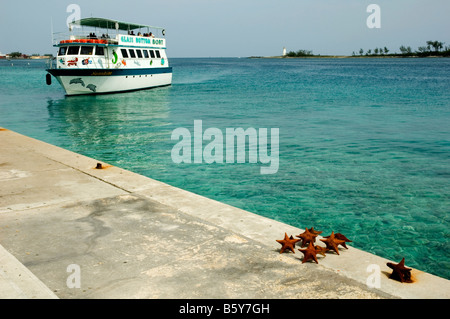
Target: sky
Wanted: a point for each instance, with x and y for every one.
(239, 28)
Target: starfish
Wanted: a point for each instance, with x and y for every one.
(295, 240)
(287, 243)
(292, 238)
(307, 237)
(400, 272)
(332, 242)
(310, 253)
(341, 237)
(315, 232)
(321, 250)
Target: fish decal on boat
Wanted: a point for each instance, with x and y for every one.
(86, 61)
(114, 60)
(77, 81)
(72, 62)
(91, 87)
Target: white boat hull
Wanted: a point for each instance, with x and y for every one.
(76, 85)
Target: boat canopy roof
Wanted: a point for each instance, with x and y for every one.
(110, 24)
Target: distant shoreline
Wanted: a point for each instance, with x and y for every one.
(346, 57)
(35, 58)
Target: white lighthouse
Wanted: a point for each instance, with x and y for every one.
(284, 51)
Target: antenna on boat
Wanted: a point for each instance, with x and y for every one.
(51, 28)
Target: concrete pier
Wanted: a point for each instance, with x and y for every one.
(71, 230)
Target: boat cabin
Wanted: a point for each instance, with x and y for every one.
(129, 46)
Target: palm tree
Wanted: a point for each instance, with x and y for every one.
(405, 50)
(422, 49)
(437, 45)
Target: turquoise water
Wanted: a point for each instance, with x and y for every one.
(364, 143)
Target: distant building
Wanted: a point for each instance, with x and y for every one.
(36, 57)
(284, 51)
(2, 56)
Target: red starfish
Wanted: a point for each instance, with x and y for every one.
(332, 242)
(400, 272)
(307, 237)
(310, 253)
(287, 243)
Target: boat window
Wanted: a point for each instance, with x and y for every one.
(99, 51)
(145, 54)
(152, 54)
(132, 54)
(73, 50)
(124, 53)
(139, 54)
(157, 54)
(62, 51)
(87, 50)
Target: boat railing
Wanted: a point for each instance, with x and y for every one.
(80, 36)
(49, 63)
(83, 37)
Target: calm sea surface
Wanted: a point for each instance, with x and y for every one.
(364, 143)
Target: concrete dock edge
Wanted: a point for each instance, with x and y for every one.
(17, 282)
(40, 181)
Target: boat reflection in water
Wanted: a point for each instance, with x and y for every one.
(121, 129)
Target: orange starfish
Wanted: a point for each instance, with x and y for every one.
(332, 242)
(315, 232)
(341, 237)
(310, 253)
(287, 243)
(345, 239)
(307, 237)
(400, 272)
(321, 250)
